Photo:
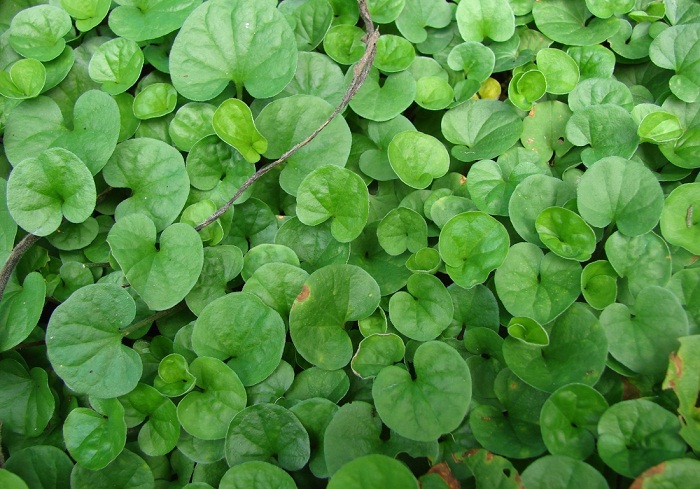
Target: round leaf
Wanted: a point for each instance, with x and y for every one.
(155, 173)
(264, 431)
(472, 244)
(317, 319)
(240, 329)
(620, 191)
(434, 403)
(25, 79)
(256, 474)
(206, 414)
(559, 69)
(116, 65)
(565, 233)
(557, 472)
(150, 19)
(264, 60)
(478, 19)
(127, 470)
(86, 351)
(609, 130)
(160, 433)
(679, 223)
(535, 285)
(402, 229)
(424, 311)
(41, 466)
(155, 100)
(418, 158)
(37, 32)
(43, 190)
(26, 404)
(376, 352)
(334, 192)
(481, 129)
(570, 23)
(381, 102)
(373, 472)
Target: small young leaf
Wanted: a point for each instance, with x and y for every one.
(680, 217)
(418, 158)
(37, 32)
(424, 311)
(116, 65)
(233, 122)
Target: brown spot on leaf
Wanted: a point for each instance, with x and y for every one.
(647, 474)
(304, 294)
(629, 390)
(462, 179)
(443, 470)
(532, 112)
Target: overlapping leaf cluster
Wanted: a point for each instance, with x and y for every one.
(484, 271)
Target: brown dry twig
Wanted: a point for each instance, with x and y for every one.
(360, 72)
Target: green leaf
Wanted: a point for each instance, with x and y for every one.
(288, 121)
(272, 389)
(192, 122)
(233, 122)
(317, 319)
(96, 438)
(159, 435)
(162, 275)
(418, 158)
(637, 434)
(478, 19)
(576, 352)
(11, 480)
(37, 32)
(155, 100)
(511, 429)
(432, 404)
(526, 88)
(87, 14)
(315, 382)
(127, 470)
(473, 58)
(492, 470)
(256, 474)
(642, 260)
(385, 11)
(424, 311)
(569, 420)
(41, 466)
(535, 285)
(599, 284)
(678, 472)
(87, 351)
(25, 79)
(343, 44)
(41, 191)
(620, 191)
(682, 377)
(277, 285)
(532, 196)
(559, 69)
(315, 415)
(603, 9)
(116, 65)
(571, 23)
(379, 101)
(373, 472)
(376, 352)
(316, 75)
(263, 62)
(660, 127)
(594, 61)
(155, 173)
(394, 53)
(20, 310)
(609, 130)
(310, 21)
(315, 246)
(267, 431)
(677, 49)
(684, 284)
(221, 264)
(472, 244)
(565, 233)
(251, 340)
(418, 15)
(600, 91)
(174, 377)
(481, 129)
(679, 222)
(528, 331)
(206, 414)
(556, 472)
(333, 192)
(27, 402)
(141, 20)
(402, 229)
(642, 342)
(374, 161)
(91, 133)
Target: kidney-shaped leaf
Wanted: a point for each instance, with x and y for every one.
(38, 124)
(424, 311)
(472, 244)
(207, 413)
(86, 350)
(242, 331)
(481, 129)
(536, 285)
(478, 19)
(256, 474)
(557, 472)
(20, 309)
(149, 19)
(233, 122)
(680, 224)
(155, 173)
(37, 32)
(162, 274)
(373, 471)
(264, 58)
(337, 193)
(608, 129)
(159, 434)
(565, 233)
(41, 191)
(26, 401)
(432, 404)
(418, 158)
(264, 432)
(330, 297)
(678, 48)
(576, 352)
(621, 191)
(642, 342)
(95, 438)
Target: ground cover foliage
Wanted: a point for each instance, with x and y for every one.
(481, 272)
